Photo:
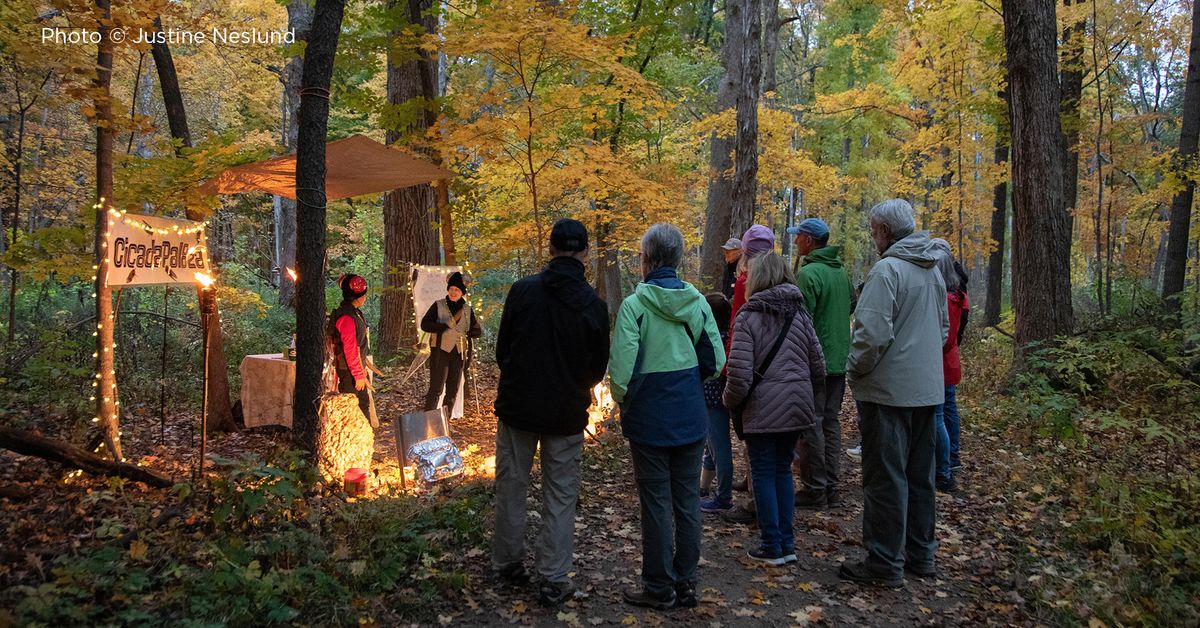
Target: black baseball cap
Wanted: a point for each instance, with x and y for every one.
(569, 235)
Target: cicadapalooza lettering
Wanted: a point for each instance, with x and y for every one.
(164, 254)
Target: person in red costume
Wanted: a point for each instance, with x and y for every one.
(349, 333)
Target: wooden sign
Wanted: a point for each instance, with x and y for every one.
(149, 250)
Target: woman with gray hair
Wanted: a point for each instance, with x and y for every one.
(665, 344)
(945, 418)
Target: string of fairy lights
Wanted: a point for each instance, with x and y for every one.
(136, 222)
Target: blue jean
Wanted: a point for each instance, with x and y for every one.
(771, 467)
(668, 482)
(953, 423)
(718, 452)
(946, 422)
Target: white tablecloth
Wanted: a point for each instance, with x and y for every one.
(268, 383)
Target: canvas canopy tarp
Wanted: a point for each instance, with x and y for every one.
(354, 166)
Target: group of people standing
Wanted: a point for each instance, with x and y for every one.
(792, 349)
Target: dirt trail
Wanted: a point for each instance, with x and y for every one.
(974, 586)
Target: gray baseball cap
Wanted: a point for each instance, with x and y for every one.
(731, 244)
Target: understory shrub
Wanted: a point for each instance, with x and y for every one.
(265, 545)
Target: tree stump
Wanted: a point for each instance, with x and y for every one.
(345, 439)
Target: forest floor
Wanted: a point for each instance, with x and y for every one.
(53, 512)
(976, 583)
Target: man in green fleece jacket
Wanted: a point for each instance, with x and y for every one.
(826, 289)
(895, 372)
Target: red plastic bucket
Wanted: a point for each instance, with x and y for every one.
(355, 482)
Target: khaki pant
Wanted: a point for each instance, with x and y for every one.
(560, 456)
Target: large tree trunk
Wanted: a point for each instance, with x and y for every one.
(410, 215)
(300, 17)
(995, 270)
(1071, 74)
(1181, 205)
(106, 376)
(745, 174)
(220, 411)
(720, 186)
(28, 444)
(1041, 240)
(772, 24)
(313, 120)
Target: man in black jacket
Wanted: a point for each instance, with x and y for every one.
(552, 350)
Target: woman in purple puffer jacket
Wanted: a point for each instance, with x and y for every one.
(780, 407)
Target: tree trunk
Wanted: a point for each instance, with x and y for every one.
(745, 175)
(410, 215)
(1041, 240)
(220, 411)
(300, 18)
(168, 82)
(28, 444)
(1181, 205)
(106, 376)
(720, 187)
(1071, 75)
(772, 24)
(18, 158)
(995, 270)
(313, 122)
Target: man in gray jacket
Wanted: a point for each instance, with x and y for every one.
(895, 372)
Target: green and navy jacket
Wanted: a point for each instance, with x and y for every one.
(664, 346)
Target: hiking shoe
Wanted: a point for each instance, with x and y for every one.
(741, 515)
(716, 505)
(766, 556)
(926, 571)
(949, 487)
(555, 593)
(832, 498)
(789, 557)
(685, 596)
(513, 574)
(855, 452)
(860, 573)
(809, 500)
(646, 599)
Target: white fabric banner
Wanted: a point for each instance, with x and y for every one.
(429, 285)
(149, 250)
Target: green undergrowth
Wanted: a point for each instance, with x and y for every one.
(1109, 472)
(265, 545)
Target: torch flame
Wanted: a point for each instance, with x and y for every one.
(601, 410)
(204, 280)
(293, 274)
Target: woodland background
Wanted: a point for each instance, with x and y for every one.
(621, 113)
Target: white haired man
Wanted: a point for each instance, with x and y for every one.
(895, 372)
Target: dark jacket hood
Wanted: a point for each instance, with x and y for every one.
(783, 300)
(564, 280)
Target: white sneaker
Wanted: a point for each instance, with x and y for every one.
(855, 452)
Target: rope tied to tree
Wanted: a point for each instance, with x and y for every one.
(317, 190)
(319, 92)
